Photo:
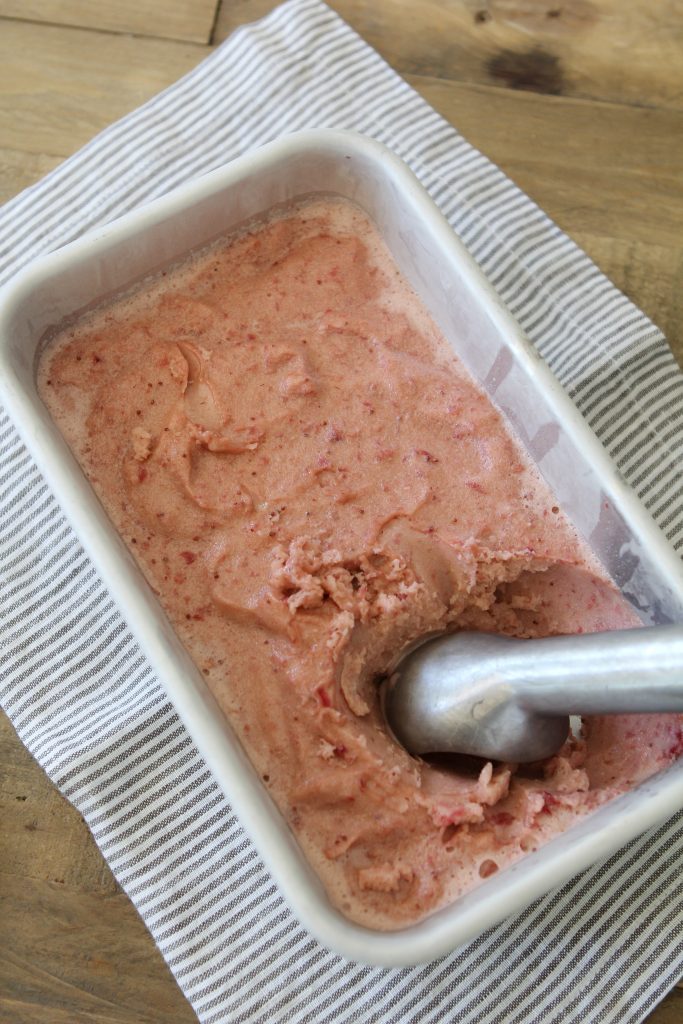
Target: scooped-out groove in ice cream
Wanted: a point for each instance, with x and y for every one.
(310, 480)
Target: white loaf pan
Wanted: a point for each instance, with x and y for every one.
(490, 343)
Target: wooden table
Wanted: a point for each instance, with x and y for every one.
(579, 101)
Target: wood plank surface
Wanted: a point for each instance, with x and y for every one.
(623, 51)
(19, 169)
(59, 87)
(610, 175)
(72, 947)
(188, 20)
(579, 101)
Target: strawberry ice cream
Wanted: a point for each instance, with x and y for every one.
(310, 481)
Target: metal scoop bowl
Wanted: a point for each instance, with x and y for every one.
(505, 699)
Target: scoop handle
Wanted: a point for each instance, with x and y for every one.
(629, 671)
(501, 697)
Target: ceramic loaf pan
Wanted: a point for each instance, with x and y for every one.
(489, 342)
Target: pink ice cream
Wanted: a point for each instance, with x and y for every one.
(310, 481)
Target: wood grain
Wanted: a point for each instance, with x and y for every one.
(610, 175)
(59, 87)
(579, 101)
(623, 51)
(19, 169)
(189, 20)
(571, 154)
(72, 947)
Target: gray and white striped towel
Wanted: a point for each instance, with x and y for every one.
(605, 946)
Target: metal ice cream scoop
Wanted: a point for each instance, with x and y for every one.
(510, 700)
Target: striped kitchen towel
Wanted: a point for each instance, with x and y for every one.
(605, 946)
